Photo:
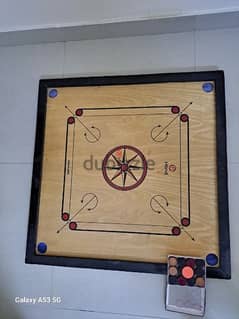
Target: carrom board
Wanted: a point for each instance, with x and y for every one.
(130, 169)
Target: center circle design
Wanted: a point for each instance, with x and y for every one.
(124, 167)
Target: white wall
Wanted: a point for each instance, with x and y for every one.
(30, 14)
(99, 294)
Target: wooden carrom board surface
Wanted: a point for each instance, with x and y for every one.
(129, 170)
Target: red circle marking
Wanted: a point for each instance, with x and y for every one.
(70, 120)
(172, 168)
(176, 231)
(185, 221)
(124, 168)
(65, 216)
(175, 109)
(184, 117)
(72, 225)
(187, 272)
(118, 153)
(79, 112)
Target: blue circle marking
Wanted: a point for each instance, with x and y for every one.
(53, 93)
(42, 248)
(207, 87)
(212, 259)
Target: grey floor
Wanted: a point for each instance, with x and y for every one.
(94, 294)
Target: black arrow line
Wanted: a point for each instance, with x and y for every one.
(175, 220)
(152, 130)
(173, 120)
(58, 231)
(159, 195)
(84, 196)
(97, 138)
(164, 197)
(164, 139)
(154, 138)
(87, 194)
(92, 208)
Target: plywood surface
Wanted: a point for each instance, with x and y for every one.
(168, 205)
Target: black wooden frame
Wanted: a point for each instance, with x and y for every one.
(224, 270)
